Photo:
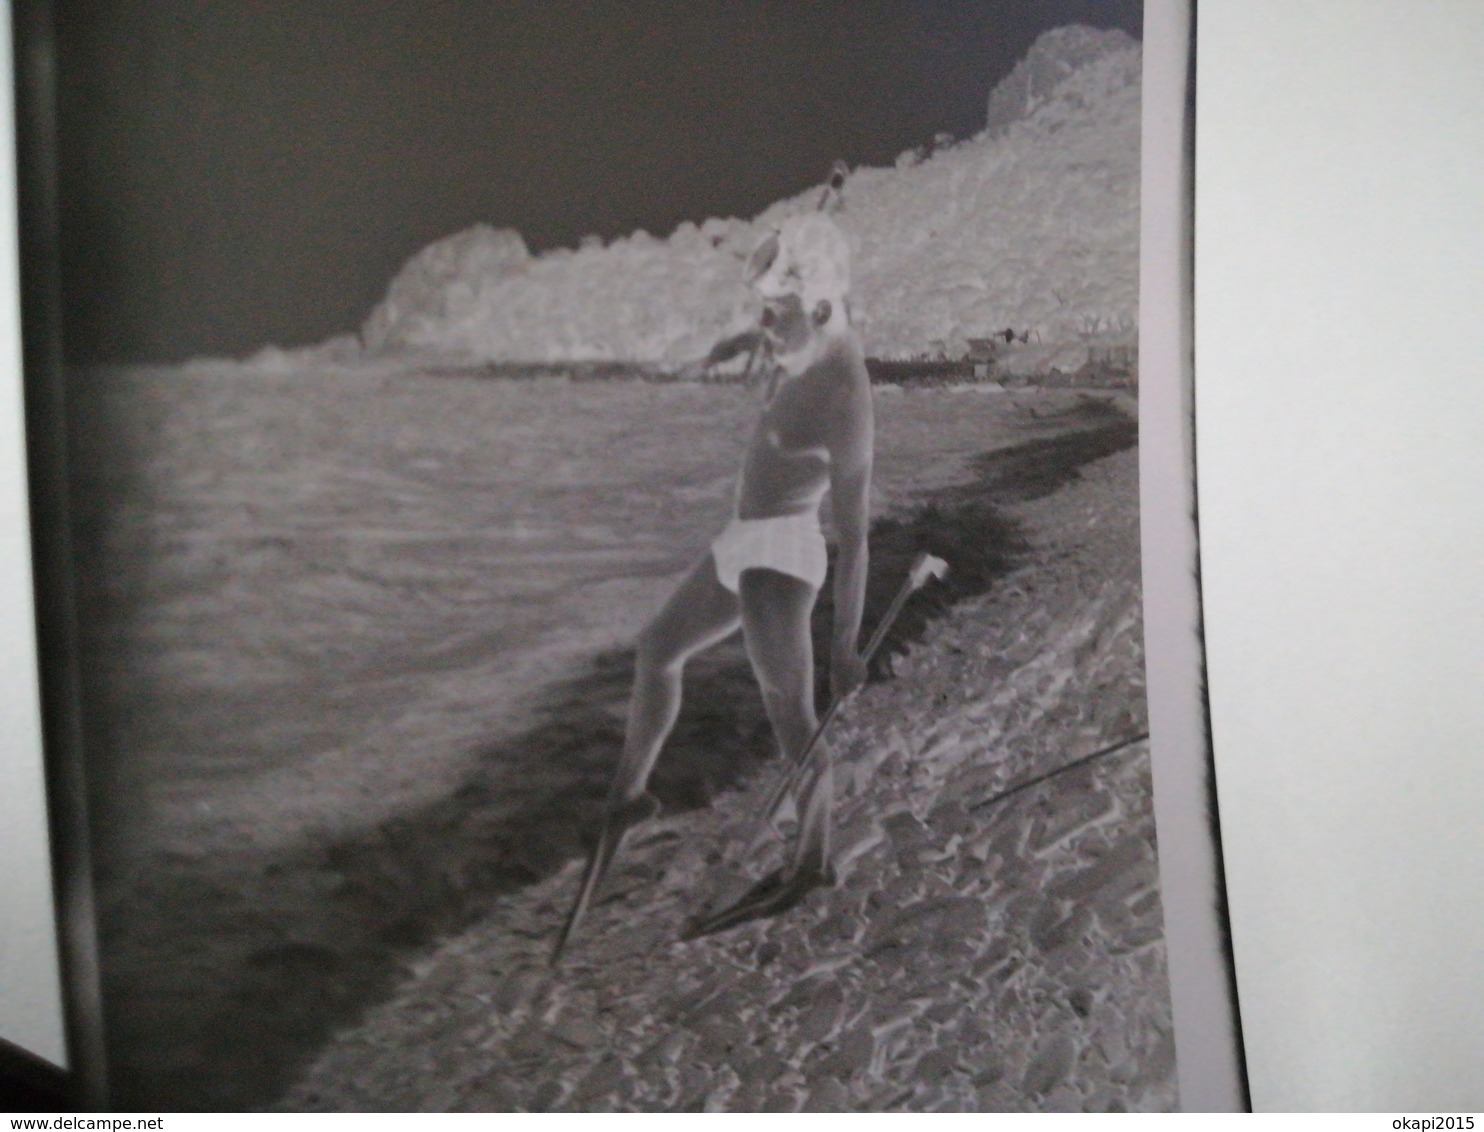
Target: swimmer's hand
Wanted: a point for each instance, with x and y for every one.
(847, 673)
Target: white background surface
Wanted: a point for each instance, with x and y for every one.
(30, 996)
(1340, 433)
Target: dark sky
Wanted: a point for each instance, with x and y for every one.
(239, 172)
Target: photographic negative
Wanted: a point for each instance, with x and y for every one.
(485, 706)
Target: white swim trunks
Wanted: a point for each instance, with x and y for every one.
(790, 544)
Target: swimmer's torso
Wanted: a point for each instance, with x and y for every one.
(787, 467)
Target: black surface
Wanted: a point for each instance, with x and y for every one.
(29, 1084)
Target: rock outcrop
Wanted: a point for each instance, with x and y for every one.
(441, 280)
(1052, 59)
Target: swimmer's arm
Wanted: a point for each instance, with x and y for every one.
(850, 503)
(729, 348)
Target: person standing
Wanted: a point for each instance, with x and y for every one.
(763, 573)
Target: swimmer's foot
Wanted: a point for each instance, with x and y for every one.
(616, 823)
(771, 896)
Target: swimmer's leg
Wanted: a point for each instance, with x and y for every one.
(775, 620)
(700, 613)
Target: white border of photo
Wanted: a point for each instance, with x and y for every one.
(1206, 1033)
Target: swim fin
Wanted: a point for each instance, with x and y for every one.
(616, 824)
(771, 896)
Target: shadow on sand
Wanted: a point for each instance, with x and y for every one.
(334, 925)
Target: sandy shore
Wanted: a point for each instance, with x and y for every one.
(976, 955)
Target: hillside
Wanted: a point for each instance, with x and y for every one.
(1032, 225)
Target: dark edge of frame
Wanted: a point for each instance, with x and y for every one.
(29, 1083)
(35, 60)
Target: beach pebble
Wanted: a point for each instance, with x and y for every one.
(518, 989)
(1053, 1061)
